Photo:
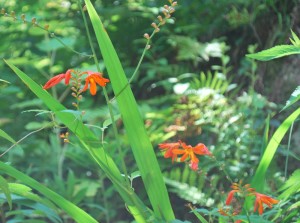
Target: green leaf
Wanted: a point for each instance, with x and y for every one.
(275, 52)
(6, 136)
(137, 136)
(5, 189)
(1, 80)
(295, 41)
(295, 96)
(75, 212)
(53, 44)
(258, 179)
(291, 186)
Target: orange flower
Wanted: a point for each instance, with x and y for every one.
(93, 79)
(169, 147)
(245, 190)
(260, 199)
(58, 78)
(189, 152)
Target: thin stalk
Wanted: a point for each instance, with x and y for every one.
(139, 63)
(115, 131)
(288, 150)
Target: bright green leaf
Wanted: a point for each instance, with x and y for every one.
(5, 189)
(275, 52)
(295, 96)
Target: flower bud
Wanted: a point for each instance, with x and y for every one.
(160, 18)
(84, 8)
(74, 94)
(166, 7)
(23, 17)
(33, 20)
(46, 27)
(146, 35)
(3, 11)
(12, 13)
(157, 29)
(83, 113)
(153, 24)
(148, 47)
(171, 10)
(174, 4)
(75, 104)
(79, 97)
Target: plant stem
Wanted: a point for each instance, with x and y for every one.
(115, 131)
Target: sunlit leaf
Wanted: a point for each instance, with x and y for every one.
(295, 96)
(275, 52)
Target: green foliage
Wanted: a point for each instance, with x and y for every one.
(278, 51)
(291, 186)
(295, 96)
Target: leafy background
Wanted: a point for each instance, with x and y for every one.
(195, 85)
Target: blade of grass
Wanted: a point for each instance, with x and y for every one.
(138, 139)
(72, 210)
(90, 142)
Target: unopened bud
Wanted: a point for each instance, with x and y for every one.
(166, 7)
(23, 17)
(3, 11)
(148, 47)
(79, 97)
(171, 10)
(83, 113)
(12, 13)
(74, 104)
(46, 27)
(33, 20)
(174, 4)
(153, 24)
(146, 35)
(74, 94)
(157, 29)
(73, 88)
(52, 35)
(66, 141)
(160, 18)
(84, 8)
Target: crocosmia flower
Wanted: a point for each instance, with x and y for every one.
(92, 80)
(58, 78)
(172, 150)
(168, 148)
(263, 199)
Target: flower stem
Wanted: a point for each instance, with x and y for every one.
(115, 131)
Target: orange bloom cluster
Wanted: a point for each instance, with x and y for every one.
(245, 191)
(173, 150)
(91, 80)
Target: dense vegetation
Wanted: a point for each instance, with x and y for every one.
(195, 84)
